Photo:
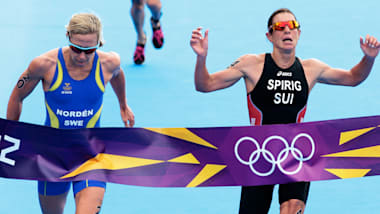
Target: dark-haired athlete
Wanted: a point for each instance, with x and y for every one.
(278, 85)
(73, 79)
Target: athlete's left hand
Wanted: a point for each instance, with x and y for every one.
(128, 117)
(370, 46)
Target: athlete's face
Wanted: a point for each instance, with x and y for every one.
(82, 40)
(287, 38)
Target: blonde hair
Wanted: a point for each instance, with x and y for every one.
(85, 23)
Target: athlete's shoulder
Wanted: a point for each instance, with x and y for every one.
(312, 63)
(110, 60)
(44, 63)
(109, 56)
(251, 59)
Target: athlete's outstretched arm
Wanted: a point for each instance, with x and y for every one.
(205, 82)
(370, 47)
(25, 85)
(118, 84)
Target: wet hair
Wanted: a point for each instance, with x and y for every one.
(85, 23)
(281, 10)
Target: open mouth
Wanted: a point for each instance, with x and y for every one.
(287, 40)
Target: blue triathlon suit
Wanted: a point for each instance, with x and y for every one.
(72, 104)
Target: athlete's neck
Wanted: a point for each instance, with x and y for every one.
(283, 59)
(77, 72)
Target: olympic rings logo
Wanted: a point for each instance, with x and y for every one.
(281, 157)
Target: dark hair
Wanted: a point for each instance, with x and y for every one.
(281, 10)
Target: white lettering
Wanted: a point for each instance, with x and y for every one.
(84, 113)
(4, 152)
(277, 83)
(270, 84)
(289, 85)
(77, 123)
(284, 74)
(277, 98)
(298, 86)
(283, 98)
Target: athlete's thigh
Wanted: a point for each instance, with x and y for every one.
(52, 196)
(46, 188)
(297, 190)
(80, 185)
(255, 199)
(89, 196)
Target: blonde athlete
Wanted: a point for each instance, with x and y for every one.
(73, 79)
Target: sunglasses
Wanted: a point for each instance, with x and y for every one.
(78, 49)
(280, 26)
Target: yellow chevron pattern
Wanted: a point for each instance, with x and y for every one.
(368, 152)
(183, 134)
(206, 173)
(111, 162)
(187, 158)
(349, 135)
(349, 173)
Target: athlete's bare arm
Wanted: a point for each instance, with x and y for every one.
(206, 82)
(115, 75)
(37, 70)
(317, 71)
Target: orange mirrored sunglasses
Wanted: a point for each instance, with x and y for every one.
(280, 26)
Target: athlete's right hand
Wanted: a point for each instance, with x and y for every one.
(127, 116)
(199, 43)
(370, 46)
